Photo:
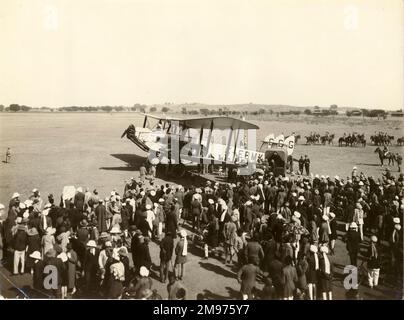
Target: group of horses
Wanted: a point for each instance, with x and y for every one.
(352, 140)
(382, 139)
(316, 138)
(400, 141)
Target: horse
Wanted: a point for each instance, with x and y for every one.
(327, 139)
(400, 141)
(385, 156)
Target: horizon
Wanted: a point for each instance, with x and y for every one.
(300, 52)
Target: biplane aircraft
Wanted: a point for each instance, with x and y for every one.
(186, 143)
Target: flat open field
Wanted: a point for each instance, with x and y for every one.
(51, 150)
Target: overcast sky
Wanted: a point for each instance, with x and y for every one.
(121, 52)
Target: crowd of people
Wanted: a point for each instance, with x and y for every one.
(279, 231)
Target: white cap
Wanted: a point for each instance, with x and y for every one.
(211, 201)
(148, 206)
(248, 203)
(396, 220)
(35, 255)
(15, 195)
(297, 214)
(152, 193)
(301, 198)
(92, 244)
(34, 190)
(161, 200)
(144, 272)
(324, 249)
(373, 238)
(353, 225)
(2, 206)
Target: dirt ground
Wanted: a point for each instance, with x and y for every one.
(51, 150)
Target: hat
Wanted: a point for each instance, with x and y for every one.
(325, 217)
(32, 231)
(34, 190)
(115, 230)
(108, 244)
(396, 220)
(142, 193)
(361, 183)
(353, 225)
(294, 194)
(301, 198)
(15, 195)
(248, 203)
(83, 223)
(313, 248)
(324, 249)
(161, 200)
(297, 214)
(336, 177)
(152, 193)
(317, 176)
(373, 238)
(144, 272)
(35, 255)
(148, 207)
(183, 233)
(92, 244)
(198, 190)
(354, 168)
(2, 206)
(123, 251)
(211, 201)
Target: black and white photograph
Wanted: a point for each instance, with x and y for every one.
(201, 150)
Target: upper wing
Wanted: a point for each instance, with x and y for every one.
(217, 123)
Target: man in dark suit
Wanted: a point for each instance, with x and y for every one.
(101, 213)
(353, 240)
(166, 253)
(79, 199)
(90, 266)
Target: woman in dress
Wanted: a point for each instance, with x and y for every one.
(117, 276)
(71, 268)
(48, 240)
(290, 278)
(181, 251)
